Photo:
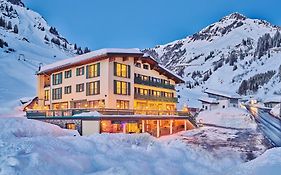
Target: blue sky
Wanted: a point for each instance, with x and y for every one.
(143, 23)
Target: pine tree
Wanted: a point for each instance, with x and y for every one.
(9, 26)
(16, 30)
(46, 38)
(86, 50)
(75, 46)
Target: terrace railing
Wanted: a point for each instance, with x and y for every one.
(104, 111)
(138, 80)
(155, 98)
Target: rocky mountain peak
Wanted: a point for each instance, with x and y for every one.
(235, 16)
(16, 2)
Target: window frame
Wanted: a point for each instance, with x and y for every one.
(68, 74)
(57, 78)
(96, 88)
(67, 90)
(95, 72)
(57, 93)
(122, 90)
(78, 73)
(78, 87)
(122, 70)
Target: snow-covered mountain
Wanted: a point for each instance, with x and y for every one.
(235, 54)
(26, 42)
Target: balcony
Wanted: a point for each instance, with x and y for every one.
(138, 80)
(154, 98)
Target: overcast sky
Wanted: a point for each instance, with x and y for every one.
(143, 23)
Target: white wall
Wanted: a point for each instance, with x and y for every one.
(90, 127)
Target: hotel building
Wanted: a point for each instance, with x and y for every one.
(131, 90)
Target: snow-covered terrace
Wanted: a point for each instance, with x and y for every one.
(208, 100)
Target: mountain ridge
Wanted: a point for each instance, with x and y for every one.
(223, 55)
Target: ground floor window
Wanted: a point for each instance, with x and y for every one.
(70, 126)
(122, 104)
(96, 104)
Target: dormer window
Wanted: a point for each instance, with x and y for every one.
(138, 65)
(146, 66)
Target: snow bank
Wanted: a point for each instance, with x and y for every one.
(88, 114)
(228, 117)
(21, 127)
(32, 147)
(268, 163)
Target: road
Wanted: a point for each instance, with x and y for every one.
(269, 124)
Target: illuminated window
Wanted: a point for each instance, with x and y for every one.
(67, 74)
(57, 93)
(93, 88)
(47, 95)
(79, 71)
(96, 104)
(122, 70)
(67, 90)
(80, 87)
(57, 78)
(93, 70)
(70, 126)
(122, 104)
(122, 87)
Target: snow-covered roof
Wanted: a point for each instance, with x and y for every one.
(171, 72)
(208, 100)
(275, 99)
(222, 93)
(90, 55)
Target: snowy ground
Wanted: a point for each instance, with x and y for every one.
(32, 147)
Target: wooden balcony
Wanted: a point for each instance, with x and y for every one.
(138, 80)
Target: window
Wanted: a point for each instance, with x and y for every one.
(57, 93)
(122, 104)
(57, 78)
(80, 87)
(47, 95)
(67, 74)
(138, 65)
(93, 70)
(67, 90)
(96, 104)
(70, 126)
(122, 88)
(93, 88)
(146, 66)
(79, 71)
(122, 70)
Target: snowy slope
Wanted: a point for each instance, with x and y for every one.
(224, 54)
(35, 43)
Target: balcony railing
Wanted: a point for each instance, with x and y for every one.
(154, 98)
(138, 80)
(103, 111)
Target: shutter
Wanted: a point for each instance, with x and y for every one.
(114, 68)
(53, 79)
(76, 71)
(87, 89)
(129, 71)
(129, 89)
(60, 78)
(98, 85)
(115, 87)
(98, 67)
(87, 71)
(83, 70)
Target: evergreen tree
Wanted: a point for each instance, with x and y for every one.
(9, 26)
(16, 30)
